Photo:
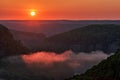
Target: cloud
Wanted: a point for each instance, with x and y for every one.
(55, 66)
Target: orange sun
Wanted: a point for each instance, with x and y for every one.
(32, 13)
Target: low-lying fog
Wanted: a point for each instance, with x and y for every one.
(52, 66)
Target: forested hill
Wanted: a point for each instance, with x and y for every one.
(105, 37)
(8, 45)
(108, 69)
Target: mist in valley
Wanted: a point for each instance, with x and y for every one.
(50, 65)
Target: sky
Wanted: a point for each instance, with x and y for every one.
(60, 9)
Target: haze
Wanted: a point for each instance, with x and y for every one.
(60, 9)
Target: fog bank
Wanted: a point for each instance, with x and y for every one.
(53, 66)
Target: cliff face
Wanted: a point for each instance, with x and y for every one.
(8, 45)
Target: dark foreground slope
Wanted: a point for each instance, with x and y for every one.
(8, 45)
(86, 39)
(108, 69)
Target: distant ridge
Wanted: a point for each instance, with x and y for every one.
(29, 39)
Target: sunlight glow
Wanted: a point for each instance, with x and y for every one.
(32, 13)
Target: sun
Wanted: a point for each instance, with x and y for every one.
(32, 13)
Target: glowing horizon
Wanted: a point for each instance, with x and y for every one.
(60, 9)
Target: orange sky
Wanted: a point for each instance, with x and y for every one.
(60, 9)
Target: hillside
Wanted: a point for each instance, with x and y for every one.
(29, 39)
(8, 45)
(108, 69)
(86, 39)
